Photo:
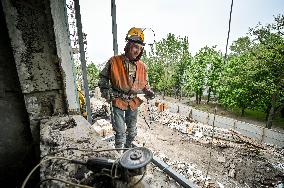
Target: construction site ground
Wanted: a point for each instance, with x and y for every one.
(220, 164)
(239, 166)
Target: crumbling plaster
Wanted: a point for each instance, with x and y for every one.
(40, 41)
(36, 79)
(32, 39)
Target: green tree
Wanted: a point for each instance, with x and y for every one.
(203, 72)
(92, 75)
(181, 66)
(253, 76)
(214, 62)
(167, 63)
(269, 63)
(236, 87)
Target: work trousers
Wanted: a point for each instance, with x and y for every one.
(124, 125)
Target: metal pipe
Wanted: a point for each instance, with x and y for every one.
(82, 58)
(114, 27)
(173, 174)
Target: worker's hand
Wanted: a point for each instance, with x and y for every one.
(149, 94)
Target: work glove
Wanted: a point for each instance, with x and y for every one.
(149, 94)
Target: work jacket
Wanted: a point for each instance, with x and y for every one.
(120, 82)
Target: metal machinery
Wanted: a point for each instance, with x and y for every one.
(127, 171)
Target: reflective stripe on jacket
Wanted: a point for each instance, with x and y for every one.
(119, 80)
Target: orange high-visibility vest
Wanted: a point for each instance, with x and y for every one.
(120, 80)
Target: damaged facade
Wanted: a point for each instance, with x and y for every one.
(36, 80)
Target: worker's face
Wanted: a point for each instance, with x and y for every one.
(134, 51)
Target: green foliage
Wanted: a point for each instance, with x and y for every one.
(236, 88)
(253, 76)
(167, 62)
(269, 61)
(204, 72)
(92, 75)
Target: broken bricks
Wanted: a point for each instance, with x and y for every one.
(103, 127)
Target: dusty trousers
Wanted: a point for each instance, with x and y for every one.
(124, 125)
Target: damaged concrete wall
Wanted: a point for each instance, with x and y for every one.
(61, 30)
(36, 78)
(16, 149)
(41, 62)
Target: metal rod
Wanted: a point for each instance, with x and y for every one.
(82, 58)
(173, 174)
(114, 27)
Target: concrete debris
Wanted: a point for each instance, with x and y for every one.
(73, 138)
(82, 141)
(220, 184)
(200, 132)
(191, 172)
(221, 159)
(241, 161)
(280, 166)
(237, 161)
(101, 117)
(99, 109)
(195, 130)
(232, 173)
(103, 127)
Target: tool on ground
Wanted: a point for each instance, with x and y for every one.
(122, 172)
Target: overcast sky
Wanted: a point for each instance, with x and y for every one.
(204, 22)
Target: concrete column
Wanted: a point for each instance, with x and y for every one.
(16, 147)
(64, 52)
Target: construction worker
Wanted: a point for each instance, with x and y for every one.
(123, 77)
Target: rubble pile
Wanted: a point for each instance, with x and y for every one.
(99, 109)
(188, 170)
(237, 160)
(200, 132)
(101, 117)
(195, 130)
(73, 138)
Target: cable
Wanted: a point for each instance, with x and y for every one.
(65, 181)
(143, 175)
(228, 36)
(148, 110)
(154, 35)
(42, 161)
(215, 110)
(112, 168)
(89, 150)
(211, 144)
